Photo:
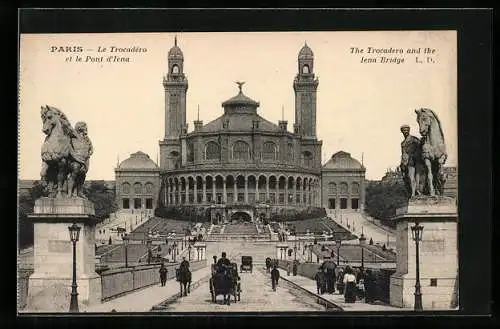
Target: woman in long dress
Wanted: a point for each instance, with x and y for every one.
(350, 285)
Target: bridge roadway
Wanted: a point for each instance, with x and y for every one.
(257, 296)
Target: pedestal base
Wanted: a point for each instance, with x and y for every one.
(53, 294)
(49, 287)
(440, 297)
(438, 253)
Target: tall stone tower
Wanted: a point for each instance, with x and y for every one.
(175, 85)
(305, 86)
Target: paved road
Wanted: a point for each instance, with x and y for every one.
(257, 296)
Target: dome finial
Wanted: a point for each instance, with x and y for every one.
(240, 85)
(175, 41)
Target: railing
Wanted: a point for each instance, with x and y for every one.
(117, 282)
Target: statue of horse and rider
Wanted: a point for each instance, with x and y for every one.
(65, 154)
(424, 157)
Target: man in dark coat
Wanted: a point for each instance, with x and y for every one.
(163, 274)
(184, 263)
(320, 281)
(223, 260)
(275, 276)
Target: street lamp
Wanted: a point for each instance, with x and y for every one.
(338, 242)
(362, 241)
(416, 233)
(74, 234)
(174, 246)
(148, 243)
(125, 242)
(295, 251)
(311, 252)
(189, 252)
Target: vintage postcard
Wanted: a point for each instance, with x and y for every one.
(238, 172)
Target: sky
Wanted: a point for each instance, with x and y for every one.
(360, 106)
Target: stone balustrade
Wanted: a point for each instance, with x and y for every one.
(120, 281)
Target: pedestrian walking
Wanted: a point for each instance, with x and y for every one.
(163, 274)
(275, 276)
(288, 268)
(350, 285)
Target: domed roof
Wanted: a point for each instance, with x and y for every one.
(306, 52)
(175, 51)
(343, 160)
(138, 160)
(240, 99)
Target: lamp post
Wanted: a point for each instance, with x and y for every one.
(174, 249)
(148, 243)
(295, 251)
(74, 234)
(416, 232)
(362, 241)
(125, 242)
(189, 252)
(311, 252)
(338, 242)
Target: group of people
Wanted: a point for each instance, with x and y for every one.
(354, 283)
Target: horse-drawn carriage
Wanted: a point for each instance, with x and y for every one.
(225, 282)
(246, 264)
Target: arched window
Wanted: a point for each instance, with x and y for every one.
(305, 69)
(307, 159)
(241, 150)
(290, 151)
(175, 69)
(125, 188)
(137, 188)
(268, 151)
(149, 188)
(332, 188)
(355, 188)
(343, 188)
(190, 152)
(212, 151)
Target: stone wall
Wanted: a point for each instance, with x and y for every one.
(22, 287)
(117, 282)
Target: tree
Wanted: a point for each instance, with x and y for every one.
(26, 206)
(103, 198)
(383, 198)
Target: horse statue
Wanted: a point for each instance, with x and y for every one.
(65, 154)
(433, 151)
(183, 276)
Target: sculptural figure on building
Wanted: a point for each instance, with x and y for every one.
(65, 154)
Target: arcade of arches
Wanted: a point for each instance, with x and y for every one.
(296, 191)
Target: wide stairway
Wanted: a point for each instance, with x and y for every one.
(238, 231)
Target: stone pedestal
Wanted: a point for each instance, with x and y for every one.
(200, 250)
(281, 251)
(53, 255)
(438, 254)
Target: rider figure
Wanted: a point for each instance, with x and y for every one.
(81, 152)
(184, 263)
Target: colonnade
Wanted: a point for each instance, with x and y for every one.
(300, 191)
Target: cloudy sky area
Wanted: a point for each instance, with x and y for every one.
(360, 107)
